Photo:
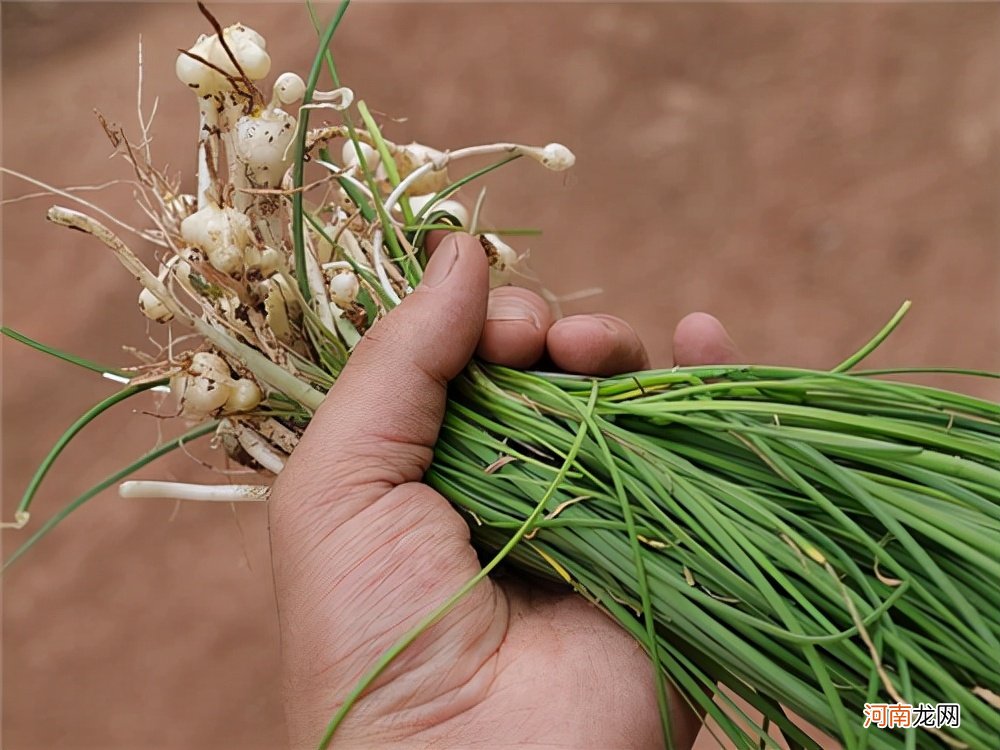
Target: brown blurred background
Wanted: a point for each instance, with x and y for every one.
(798, 170)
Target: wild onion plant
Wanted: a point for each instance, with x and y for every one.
(810, 541)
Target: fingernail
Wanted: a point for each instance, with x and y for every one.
(441, 263)
(511, 309)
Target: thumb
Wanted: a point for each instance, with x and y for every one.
(378, 425)
(361, 550)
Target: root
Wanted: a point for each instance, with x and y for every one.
(216, 493)
(68, 195)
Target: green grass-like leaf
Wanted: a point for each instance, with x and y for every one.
(118, 476)
(73, 431)
(59, 354)
(298, 163)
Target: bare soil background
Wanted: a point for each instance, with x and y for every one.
(798, 170)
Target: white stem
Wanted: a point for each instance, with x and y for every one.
(379, 262)
(436, 165)
(352, 248)
(208, 119)
(236, 170)
(217, 493)
(258, 450)
(116, 378)
(269, 226)
(21, 518)
(317, 286)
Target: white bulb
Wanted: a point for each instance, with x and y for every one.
(244, 395)
(204, 394)
(269, 261)
(194, 74)
(245, 33)
(223, 234)
(263, 144)
(419, 154)
(207, 363)
(181, 269)
(557, 157)
(349, 155)
(289, 87)
(502, 266)
(247, 46)
(198, 76)
(344, 288)
(415, 155)
(228, 259)
(506, 255)
(152, 308)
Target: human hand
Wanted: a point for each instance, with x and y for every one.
(362, 551)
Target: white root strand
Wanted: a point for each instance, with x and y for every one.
(69, 195)
(338, 265)
(216, 493)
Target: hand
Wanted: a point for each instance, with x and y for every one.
(362, 550)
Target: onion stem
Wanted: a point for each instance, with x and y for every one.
(298, 169)
(224, 493)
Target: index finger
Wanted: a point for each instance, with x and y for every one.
(434, 238)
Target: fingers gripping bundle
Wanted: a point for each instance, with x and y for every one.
(810, 541)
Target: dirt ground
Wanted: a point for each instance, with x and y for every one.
(798, 170)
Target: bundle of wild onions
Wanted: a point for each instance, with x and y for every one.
(811, 541)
